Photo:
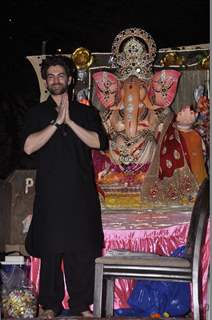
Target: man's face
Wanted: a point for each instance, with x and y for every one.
(57, 81)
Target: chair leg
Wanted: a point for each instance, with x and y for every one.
(195, 298)
(109, 297)
(98, 288)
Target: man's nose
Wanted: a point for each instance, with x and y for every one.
(56, 80)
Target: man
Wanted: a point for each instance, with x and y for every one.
(66, 224)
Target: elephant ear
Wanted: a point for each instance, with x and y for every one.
(163, 87)
(105, 89)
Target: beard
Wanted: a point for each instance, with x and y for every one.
(57, 89)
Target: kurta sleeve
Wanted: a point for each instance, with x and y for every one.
(94, 123)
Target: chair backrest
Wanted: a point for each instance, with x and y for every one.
(198, 223)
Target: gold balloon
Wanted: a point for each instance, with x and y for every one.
(169, 59)
(82, 58)
(172, 58)
(205, 62)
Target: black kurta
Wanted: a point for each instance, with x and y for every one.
(66, 214)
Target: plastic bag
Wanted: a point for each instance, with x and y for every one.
(17, 292)
(150, 298)
(159, 297)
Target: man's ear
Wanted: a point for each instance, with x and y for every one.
(69, 80)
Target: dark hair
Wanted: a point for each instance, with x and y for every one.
(63, 61)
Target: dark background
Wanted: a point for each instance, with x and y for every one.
(94, 24)
(67, 25)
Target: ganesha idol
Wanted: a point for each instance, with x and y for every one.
(155, 158)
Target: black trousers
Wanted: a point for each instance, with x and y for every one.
(79, 270)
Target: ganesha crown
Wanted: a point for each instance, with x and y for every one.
(133, 51)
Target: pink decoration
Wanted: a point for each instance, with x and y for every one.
(107, 87)
(163, 87)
